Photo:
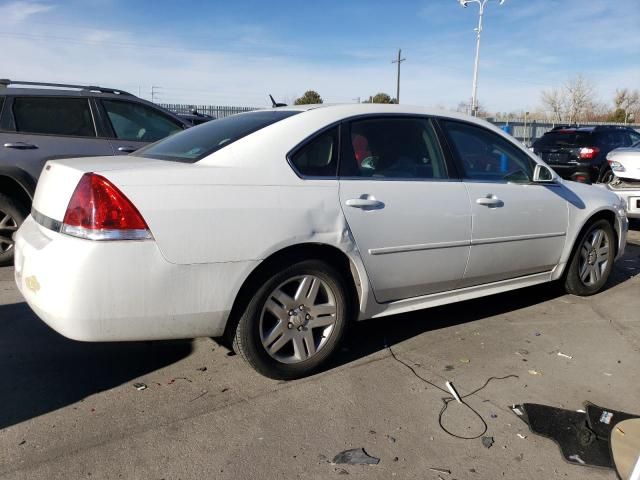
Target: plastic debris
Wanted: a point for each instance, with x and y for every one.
(607, 374)
(355, 456)
(453, 391)
(140, 386)
(577, 459)
(521, 436)
(516, 410)
(464, 360)
(534, 372)
(440, 470)
(522, 351)
(564, 355)
(487, 441)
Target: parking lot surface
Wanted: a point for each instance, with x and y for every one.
(70, 410)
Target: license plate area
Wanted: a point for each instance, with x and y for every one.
(634, 204)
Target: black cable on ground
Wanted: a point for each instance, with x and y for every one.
(448, 399)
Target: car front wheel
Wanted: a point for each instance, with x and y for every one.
(295, 320)
(592, 260)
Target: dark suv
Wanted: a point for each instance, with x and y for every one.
(580, 153)
(61, 121)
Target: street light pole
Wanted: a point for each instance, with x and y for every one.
(474, 90)
(398, 61)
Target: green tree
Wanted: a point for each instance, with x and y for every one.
(309, 97)
(381, 98)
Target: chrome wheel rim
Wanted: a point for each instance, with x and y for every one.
(8, 226)
(594, 257)
(298, 318)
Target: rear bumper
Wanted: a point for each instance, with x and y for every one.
(121, 290)
(631, 198)
(575, 170)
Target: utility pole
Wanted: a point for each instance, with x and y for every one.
(474, 91)
(154, 93)
(398, 61)
(357, 99)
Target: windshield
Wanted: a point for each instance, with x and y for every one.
(195, 143)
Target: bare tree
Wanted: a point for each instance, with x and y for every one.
(553, 100)
(579, 97)
(628, 101)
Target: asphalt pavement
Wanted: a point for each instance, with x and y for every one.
(71, 410)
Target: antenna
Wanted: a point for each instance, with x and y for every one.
(275, 104)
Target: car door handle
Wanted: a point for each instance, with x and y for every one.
(490, 201)
(364, 203)
(20, 145)
(127, 149)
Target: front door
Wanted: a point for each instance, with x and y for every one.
(519, 227)
(409, 218)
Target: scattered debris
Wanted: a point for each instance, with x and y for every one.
(178, 378)
(534, 372)
(576, 458)
(537, 334)
(493, 415)
(22, 442)
(355, 456)
(395, 459)
(521, 436)
(225, 389)
(464, 360)
(202, 369)
(453, 391)
(372, 432)
(560, 354)
(519, 457)
(204, 392)
(448, 368)
(440, 470)
(391, 439)
(522, 351)
(607, 374)
(341, 471)
(139, 386)
(487, 441)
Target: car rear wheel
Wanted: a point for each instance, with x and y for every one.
(12, 214)
(592, 260)
(295, 321)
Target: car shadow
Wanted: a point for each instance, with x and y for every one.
(42, 371)
(371, 336)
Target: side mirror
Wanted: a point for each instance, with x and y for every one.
(543, 174)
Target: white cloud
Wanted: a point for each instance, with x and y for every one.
(17, 12)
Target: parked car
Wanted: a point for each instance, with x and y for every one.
(60, 121)
(277, 228)
(625, 165)
(195, 117)
(579, 153)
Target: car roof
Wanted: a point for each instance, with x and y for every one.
(59, 92)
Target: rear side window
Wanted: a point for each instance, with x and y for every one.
(137, 122)
(404, 148)
(54, 116)
(319, 157)
(1, 104)
(196, 143)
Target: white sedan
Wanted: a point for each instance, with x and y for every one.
(277, 228)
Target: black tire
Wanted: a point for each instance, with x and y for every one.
(12, 214)
(606, 175)
(247, 339)
(573, 284)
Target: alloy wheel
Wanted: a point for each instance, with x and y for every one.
(8, 226)
(298, 319)
(594, 257)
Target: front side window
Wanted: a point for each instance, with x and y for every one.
(137, 122)
(393, 148)
(319, 157)
(54, 116)
(1, 104)
(485, 155)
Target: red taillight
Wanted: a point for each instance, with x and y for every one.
(589, 153)
(99, 211)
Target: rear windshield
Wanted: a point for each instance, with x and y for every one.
(195, 143)
(561, 139)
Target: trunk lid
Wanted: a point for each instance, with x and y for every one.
(59, 179)
(562, 147)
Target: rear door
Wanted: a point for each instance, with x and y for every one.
(133, 125)
(519, 227)
(36, 129)
(407, 211)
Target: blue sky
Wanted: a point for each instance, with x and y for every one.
(236, 52)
